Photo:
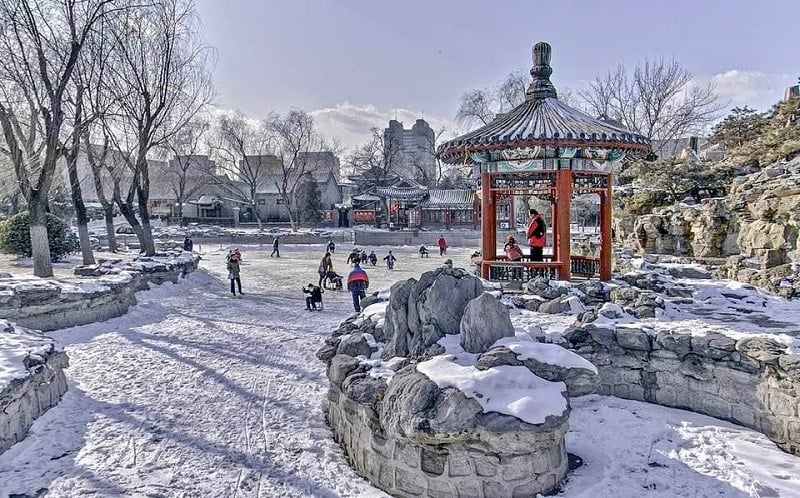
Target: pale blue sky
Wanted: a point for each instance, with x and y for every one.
(354, 62)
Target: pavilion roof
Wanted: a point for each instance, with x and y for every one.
(542, 121)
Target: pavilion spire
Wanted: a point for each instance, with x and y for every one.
(541, 87)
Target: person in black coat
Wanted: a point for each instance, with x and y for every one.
(314, 296)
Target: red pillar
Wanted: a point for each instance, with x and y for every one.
(606, 244)
(488, 223)
(554, 223)
(563, 198)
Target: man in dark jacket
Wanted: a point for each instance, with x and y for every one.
(536, 235)
(314, 296)
(275, 251)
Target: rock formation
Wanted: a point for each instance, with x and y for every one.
(439, 398)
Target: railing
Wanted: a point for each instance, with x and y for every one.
(517, 271)
(585, 266)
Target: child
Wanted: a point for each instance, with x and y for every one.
(335, 280)
(423, 251)
(373, 258)
(234, 257)
(314, 296)
(390, 259)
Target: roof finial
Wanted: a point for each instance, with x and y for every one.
(541, 87)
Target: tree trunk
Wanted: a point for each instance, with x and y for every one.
(40, 247)
(130, 217)
(80, 209)
(148, 244)
(110, 234)
(86, 243)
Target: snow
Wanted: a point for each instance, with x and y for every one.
(194, 393)
(632, 449)
(550, 354)
(504, 389)
(16, 344)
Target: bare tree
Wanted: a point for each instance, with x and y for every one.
(159, 82)
(40, 45)
(482, 106)
(660, 100)
(295, 136)
(372, 163)
(245, 159)
(184, 146)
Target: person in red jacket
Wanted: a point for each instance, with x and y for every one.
(442, 245)
(536, 235)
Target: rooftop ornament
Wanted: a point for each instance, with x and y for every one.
(542, 129)
(547, 149)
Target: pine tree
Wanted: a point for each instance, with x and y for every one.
(309, 203)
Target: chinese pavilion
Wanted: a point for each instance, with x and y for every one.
(547, 149)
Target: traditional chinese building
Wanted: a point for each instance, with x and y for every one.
(547, 149)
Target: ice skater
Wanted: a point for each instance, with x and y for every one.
(331, 246)
(373, 258)
(390, 259)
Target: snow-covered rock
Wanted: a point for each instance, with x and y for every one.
(31, 379)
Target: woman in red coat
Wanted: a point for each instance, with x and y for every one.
(442, 246)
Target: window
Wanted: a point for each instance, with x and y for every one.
(280, 201)
(262, 202)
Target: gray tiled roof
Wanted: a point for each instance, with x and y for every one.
(449, 198)
(543, 122)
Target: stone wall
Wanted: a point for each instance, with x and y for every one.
(106, 291)
(25, 399)
(751, 382)
(514, 462)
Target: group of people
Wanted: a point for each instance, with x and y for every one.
(441, 243)
(535, 234)
(357, 256)
(357, 279)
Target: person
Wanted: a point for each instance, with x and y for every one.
(354, 256)
(364, 258)
(314, 296)
(325, 266)
(334, 279)
(331, 246)
(513, 253)
(275, 250)
(234, 258)
(442, 245)
(390, 259)
(512, 249)
(423, 251)
(188, 245)
(536, 235)
(357, 284)
(373, 258)
(448, 264)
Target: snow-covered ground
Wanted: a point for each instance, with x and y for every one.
(196, 393)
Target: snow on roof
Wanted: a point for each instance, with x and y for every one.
(453, 198)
